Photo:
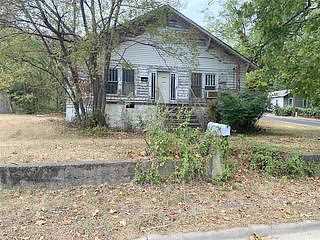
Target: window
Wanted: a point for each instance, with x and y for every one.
(210, 82)
(173, 87)
(144, 79)
(237, 77)
(153, 86)
(112, 81)
(290, 101)
(222, 82)
(196, 85)
(128, 82)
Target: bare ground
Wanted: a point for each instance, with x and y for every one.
(130, 211)
(27, 139)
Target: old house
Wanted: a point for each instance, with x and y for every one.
(155, 77)
(284, 98)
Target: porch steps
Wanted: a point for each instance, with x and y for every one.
(174, 120)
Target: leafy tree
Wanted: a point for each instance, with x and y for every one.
(283, 37)
(31, 89)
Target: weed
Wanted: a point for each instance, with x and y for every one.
(227, 173)
(95, 131)
(187, 148)
(273, 162)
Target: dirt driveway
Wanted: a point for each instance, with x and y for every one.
(27, 139)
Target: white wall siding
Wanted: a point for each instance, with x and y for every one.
(145, 59)
(278, 101)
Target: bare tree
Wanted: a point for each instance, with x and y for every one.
(79, 37)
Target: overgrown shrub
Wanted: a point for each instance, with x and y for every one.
(35, 97)
(303, 112)
(273, 162)
(188, 148)
(309, 112)
(284, 111)
(240, 111)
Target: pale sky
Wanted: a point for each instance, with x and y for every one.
(197, 9)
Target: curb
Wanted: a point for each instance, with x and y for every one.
(311, 158)
(241, 233)
(77, 173)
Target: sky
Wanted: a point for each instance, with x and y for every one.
(194, 9)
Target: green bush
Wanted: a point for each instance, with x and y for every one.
(303, 112)
(273, 162)
(30, 97)
(309, 112)
(240, 111)
(284, 111)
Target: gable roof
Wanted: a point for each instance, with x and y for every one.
(149, 17)
(281, 93)
(221, 43)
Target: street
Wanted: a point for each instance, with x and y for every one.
(294, 120)
(293, 231)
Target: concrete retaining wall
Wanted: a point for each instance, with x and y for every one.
(312, 157)
(91, 172)
(67, 174)
(86, 172)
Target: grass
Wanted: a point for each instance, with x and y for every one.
(129, 211)
(29, 139)
(284, 135)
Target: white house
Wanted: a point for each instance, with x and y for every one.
(284, 98)
(155, 77)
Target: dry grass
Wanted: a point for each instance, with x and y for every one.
(130, 211)
(27, 139)
(285, 135)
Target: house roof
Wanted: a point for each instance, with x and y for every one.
(221, 43)
(281, 93)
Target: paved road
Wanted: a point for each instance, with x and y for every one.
(293, 231)
(294, 120)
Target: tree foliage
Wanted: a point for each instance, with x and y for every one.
(283, 37)
(31, 89)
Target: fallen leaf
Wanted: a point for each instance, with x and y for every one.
(96, 213)
(41, 222)
(123, 223)
(112, 211)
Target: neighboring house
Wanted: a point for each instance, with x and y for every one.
(155, 78)
(285, 98)
(5, 106)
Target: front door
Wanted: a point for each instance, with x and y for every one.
(163, 87)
